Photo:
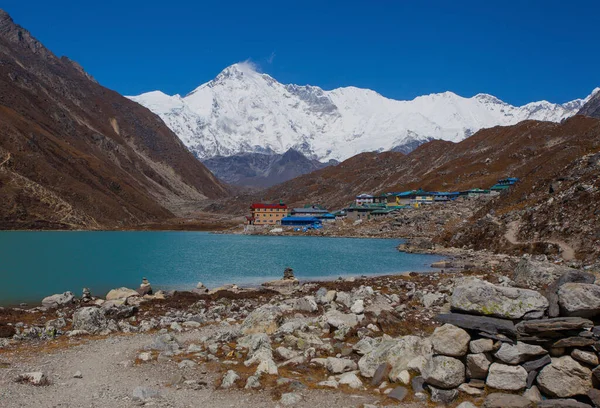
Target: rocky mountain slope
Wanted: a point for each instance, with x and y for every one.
(522, 150)
(262, 170)
(242, 111)
(74, 154)
(591, 107)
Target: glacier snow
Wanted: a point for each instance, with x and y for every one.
(244, 111)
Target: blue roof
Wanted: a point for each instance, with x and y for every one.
(313, 219)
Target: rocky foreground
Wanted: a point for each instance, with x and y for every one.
(463, 337)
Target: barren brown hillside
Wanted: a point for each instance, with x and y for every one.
(528, 150)
(74, 154)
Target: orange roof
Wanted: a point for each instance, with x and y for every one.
(261, 205)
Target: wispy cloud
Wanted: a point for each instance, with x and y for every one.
(271, 58)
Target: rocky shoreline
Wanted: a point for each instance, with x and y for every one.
(492, 331)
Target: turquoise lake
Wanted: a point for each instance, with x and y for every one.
(37, 264)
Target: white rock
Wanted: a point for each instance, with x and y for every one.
(450, 340)
(506, 378)
(358, 307)
(351, 380)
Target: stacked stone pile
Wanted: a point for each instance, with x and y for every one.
(502, 338)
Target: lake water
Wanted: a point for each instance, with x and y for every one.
(36, 264)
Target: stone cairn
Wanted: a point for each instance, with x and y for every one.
(288, 273)
(86, 296)
(145, 288)
(524, 347)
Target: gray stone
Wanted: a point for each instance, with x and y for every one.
(450, 340)
(484, 298)
(444, 372)
(481, 346)
(358, 307)
(533, 394)
(467, 389)
(565, 377)
(562, 403)
(530, 273)
(36, 378)
(290, 398)
(579, 299)
(252, 382)
(506, 378)
(484, 324)
(90, 319)
(466, 404)
(351, 380)
(515, 354)
(340, 365)
(381, 374)
(417, 384)
(229, 379)
(501, 400)
(365, 345)
(164, 342)
(594, 396)
(442, 395)
(145, 393)
(398, 393)
(531, 376)
(58, 300)
(553, 327)
(576, 276)
(587, 357)
(337, 319)
(478, 366)
(573, 342)
(396, 352)
(306, 304)
(265, 319)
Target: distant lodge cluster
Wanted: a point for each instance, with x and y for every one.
(365, 206)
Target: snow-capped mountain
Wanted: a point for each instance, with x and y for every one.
(242, 111)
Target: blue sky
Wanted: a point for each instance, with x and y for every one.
(519, 51)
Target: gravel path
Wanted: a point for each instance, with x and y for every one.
(109, 378)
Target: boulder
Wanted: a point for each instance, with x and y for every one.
(562, 403)
(443, 396)
(351, 380)
(530, 273)
(306, 304)
(533, 394)
(337, 319)
(481, 346)
(579, 299)
(358, 307)
(397, 352)
(90, 319)
(500, 400)
(58, 300)
(290, 398)
(483, 298)
(564, 377)
(506, 378)
(586, 357)
(552, 327)
(265, 319)
(574, 341)
(490, 325)
(121, 293)
(450, 340)
(444, 372)
(398, 393)
(478, 366)
(340, 365)
(517, 353)
(536, 364)
(37, 378)
(164, 342)
(229, 379)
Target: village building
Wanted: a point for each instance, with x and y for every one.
(316, 211)
(363, 199)
(267, 214)
(504, 184)
(300, 221)
(474, 192)
(444, 196)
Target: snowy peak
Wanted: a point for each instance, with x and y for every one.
(244, 111)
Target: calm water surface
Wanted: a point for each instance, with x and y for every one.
(37, 264)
